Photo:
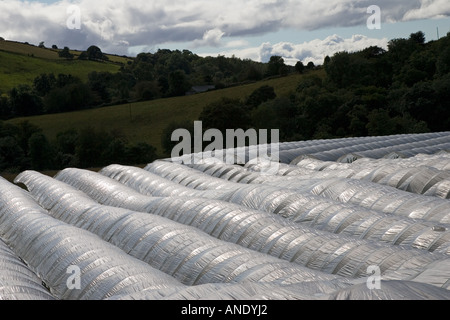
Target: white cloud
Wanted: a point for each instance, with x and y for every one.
(142, 23)
(236, 44)
(429, 9)
(211, 38)
(314, 51)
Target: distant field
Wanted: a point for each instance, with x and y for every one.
(28, 50)
(21, 63)
(145, 121)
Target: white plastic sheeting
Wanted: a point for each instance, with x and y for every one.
(195, 258)
(17, 281)
(184, 252)
(235, 224)
(379, 213)
(403, 145)
(312, 229)
(372, 147)
(51, 248)
(304, 246)
(422, 174)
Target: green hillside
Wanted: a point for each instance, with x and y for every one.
(145, 121)
(21, 63)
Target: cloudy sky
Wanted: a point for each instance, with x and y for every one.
(305, 30)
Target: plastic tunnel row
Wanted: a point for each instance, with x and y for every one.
(405, 145)
(373, 147)
(422, 174)
(187, 253)
(310, 227)
(380, 188)
(236, 224)
(363, 193)
(251, 226)
(302, 208)
(50, 248)
(386, 197)
(17, 281)
(193, 257)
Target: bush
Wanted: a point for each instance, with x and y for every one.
(260, 95)
(224, 114)
(65, 53)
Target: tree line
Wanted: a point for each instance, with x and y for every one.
(372, 92)
(404, 89)
(25, 147)
(149, 76)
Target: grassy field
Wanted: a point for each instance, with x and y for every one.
(139, 122)
(21, 63)
(145, 121)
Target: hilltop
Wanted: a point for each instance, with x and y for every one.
(21, 63)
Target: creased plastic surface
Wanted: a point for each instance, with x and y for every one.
(312, 229)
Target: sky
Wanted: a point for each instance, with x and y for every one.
(297, 30)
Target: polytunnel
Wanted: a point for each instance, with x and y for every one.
(184, 252)
(51, 247)
(372, 147)
(303, 246)
(306, 209)
(17, 280)
(426, 208)
(332, 149)
(314, 225)
(404, 176)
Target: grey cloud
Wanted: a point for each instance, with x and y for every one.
(113, 23)
(314, 50)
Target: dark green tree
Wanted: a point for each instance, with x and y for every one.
(147, 90)
(380, 123)
(226, 113)
(276, 66)
(5, 108)
(141, 153)
(71, 97)
(24, 102)
(443, 62)
(310, 65)
(178, 83)
(279, 113)
(12, 157)
(65, 53)
(418, 37)
(91, 147)
(300, 67)
(260, 95)
(43, 83)
(93, 53)
(25, 130)
(40, 152)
